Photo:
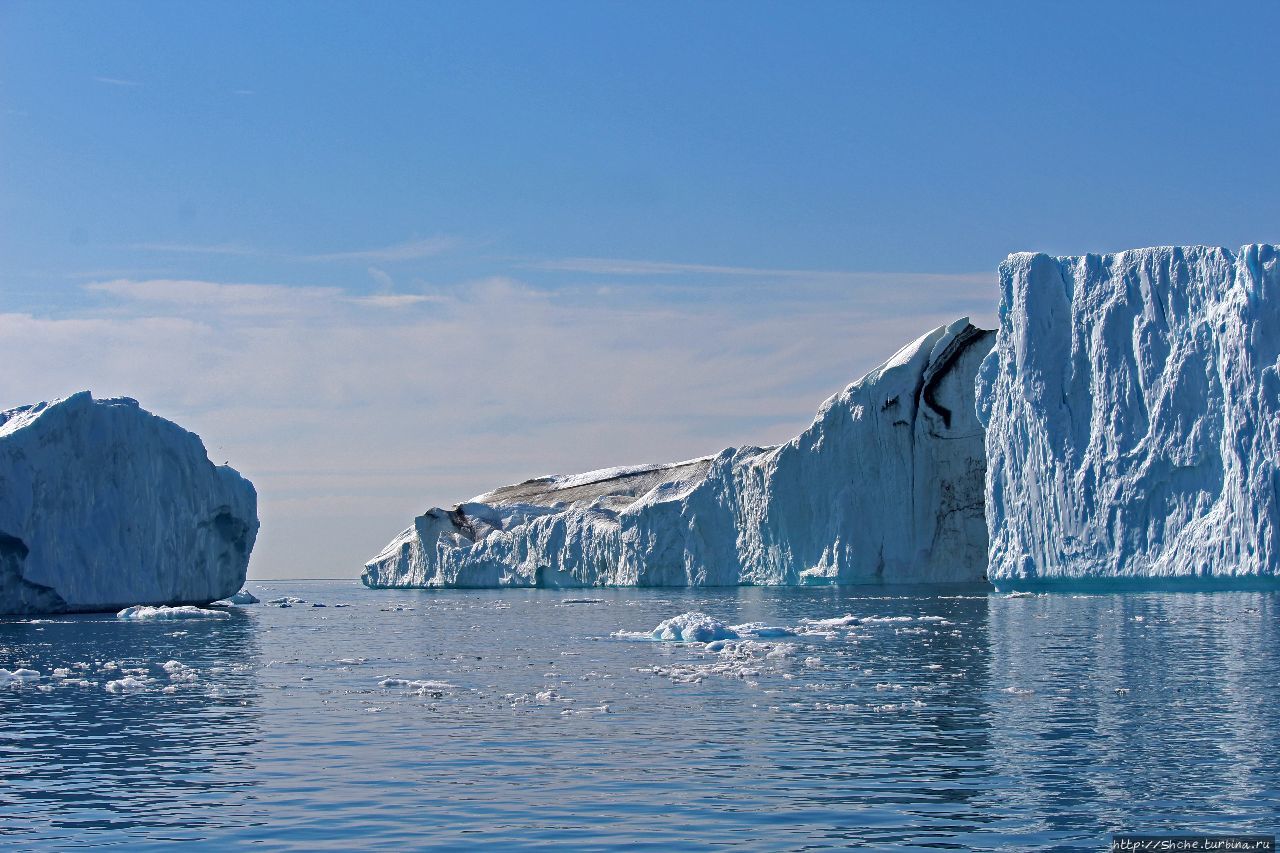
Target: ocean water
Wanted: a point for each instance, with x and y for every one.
(992, 723)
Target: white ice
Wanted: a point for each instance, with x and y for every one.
(1132, 405)
(145, 612)
(103, 504)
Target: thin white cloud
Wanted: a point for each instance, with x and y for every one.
(625, 267)
(396, 300)
(382, 279)
(236, 249)
(116, 81)
(207, 295)
(406, 251)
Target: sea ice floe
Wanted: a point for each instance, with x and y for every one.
(745, 660)
(847, 621)
(144, 612)
(420, 685)
(18, 677)
(179, 672)
(897, 706)
(760, 629)
(129, 684)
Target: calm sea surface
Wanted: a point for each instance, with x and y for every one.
(512, 719)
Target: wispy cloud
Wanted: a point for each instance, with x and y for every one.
(116, 81)
(406, 251)
(237, 249)
(176, 294)
(210, 298)
(395, 300)
(625, 267)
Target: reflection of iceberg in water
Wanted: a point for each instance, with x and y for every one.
(170, 766)
(1161, 705)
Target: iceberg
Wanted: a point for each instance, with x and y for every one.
(143, 613)
(105, 505)
(885, 486)
(1132, 407)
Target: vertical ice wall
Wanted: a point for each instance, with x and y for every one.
(1132, 407)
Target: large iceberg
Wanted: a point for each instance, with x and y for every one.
(885, 486)
(1132, 405)
(105, 505)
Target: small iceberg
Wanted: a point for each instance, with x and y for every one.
(141, 612)
(17, 677)
(693, 627)
(244, 597)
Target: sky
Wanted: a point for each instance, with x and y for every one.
(387, 256)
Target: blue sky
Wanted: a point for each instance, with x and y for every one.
(383, 256)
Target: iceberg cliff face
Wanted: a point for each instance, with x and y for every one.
(885, 486)
(104, 505)
(1132, 405)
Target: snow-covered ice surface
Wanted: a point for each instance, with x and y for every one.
(105, 505)
(885, 486)
(921, 718)
(1132, 404)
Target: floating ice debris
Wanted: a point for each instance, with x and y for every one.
(1023, 594)
(847, 621)
(759, 629)
(179, 671)
(901, 706)
(18, 677)
(128, 684)
(891, 620)
(582, 601)
(286, 601)
(419, 685)
(244, 597)
(693, 627)
(145, 612)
